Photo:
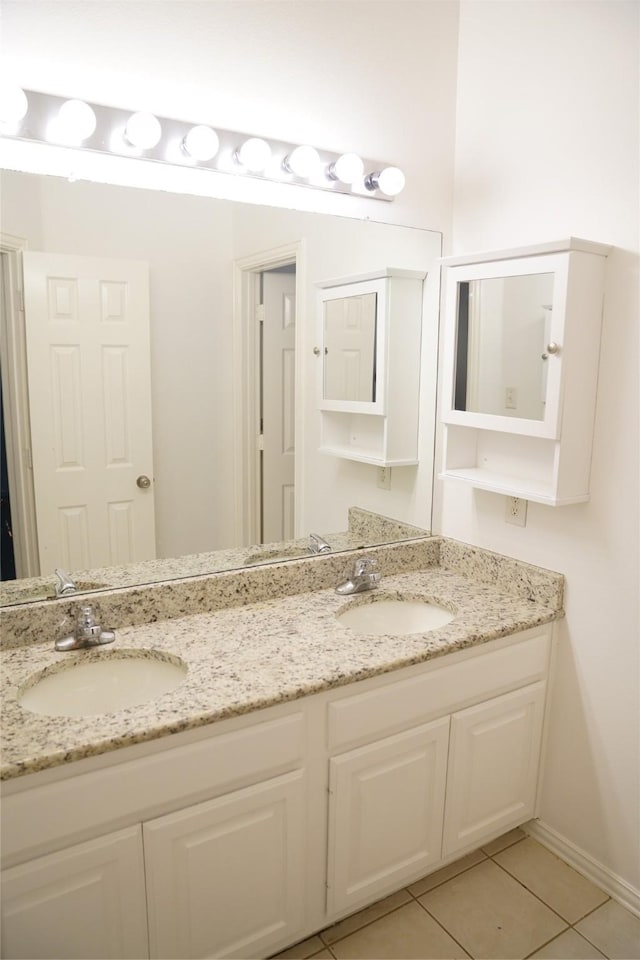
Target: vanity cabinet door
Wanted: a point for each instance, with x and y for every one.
(493, 767)
(86, 901)
(385, 814)
(225, 878)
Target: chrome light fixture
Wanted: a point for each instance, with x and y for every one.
(95, 129)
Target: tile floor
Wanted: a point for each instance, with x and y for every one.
(511, 899)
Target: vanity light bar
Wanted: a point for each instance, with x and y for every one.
(110, 130)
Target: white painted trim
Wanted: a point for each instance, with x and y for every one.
(16, 405)
(534, 250)
(617, 888)
(244, 366)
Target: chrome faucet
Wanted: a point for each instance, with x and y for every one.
(363, 577)
(88, 633)
(317, 544)
(65, 584)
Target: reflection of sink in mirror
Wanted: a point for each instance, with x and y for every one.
(394, 617)
(272, 556)
(103, 685)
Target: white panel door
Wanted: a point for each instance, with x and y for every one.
(386, 809)
(493, 767)
(225, 878)
(85, 902)
(87, 332)
(278, 406)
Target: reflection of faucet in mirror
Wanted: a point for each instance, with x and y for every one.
(363, 577)
(65, 584)
(317, 544)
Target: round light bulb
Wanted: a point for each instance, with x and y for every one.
(347, 169)
(13, 103)
(303, 161)
(201, 143)
(75, 121)
(143, 130)
(254, 154)
(391, 181)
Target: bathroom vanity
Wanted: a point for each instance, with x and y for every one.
(301, 771)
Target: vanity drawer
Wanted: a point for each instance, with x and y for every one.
(121, 794)
(439, 690)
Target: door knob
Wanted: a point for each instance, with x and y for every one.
(143, 482)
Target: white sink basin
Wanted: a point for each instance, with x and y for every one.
(102, 685)
(394, 617)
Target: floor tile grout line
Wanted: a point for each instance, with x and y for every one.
(364, 925)
(448, 932)
(442, 882)
(534, 894)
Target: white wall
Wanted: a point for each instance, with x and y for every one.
(547, 147)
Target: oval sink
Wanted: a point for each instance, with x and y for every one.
(102, 685)
(394, 617)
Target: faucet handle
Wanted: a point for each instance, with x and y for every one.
(364, 565)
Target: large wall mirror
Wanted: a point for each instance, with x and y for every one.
(216, 270)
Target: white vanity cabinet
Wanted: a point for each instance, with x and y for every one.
(522, 344)
(239, 839)
(404, 803)
(370, 331)
(85, 901)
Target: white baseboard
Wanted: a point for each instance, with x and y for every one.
(617, 888)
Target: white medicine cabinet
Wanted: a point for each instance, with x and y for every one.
(370, 333)
(521, 353)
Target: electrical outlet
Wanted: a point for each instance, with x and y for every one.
(516, 511)
(384, 478)
(511, 398)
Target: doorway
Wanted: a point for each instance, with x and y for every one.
(267, 392)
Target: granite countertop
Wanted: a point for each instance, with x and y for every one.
(252, 656)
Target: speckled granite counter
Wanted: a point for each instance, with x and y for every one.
(245, 657)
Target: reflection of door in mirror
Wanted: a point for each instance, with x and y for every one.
(87, 352)
(278, 405)
(350, 348)
(503, 327)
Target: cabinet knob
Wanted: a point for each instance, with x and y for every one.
(552, 349)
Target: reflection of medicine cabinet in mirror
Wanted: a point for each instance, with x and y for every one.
(370, 330)
(522, 344)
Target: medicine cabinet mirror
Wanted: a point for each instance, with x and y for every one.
(502, 357)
